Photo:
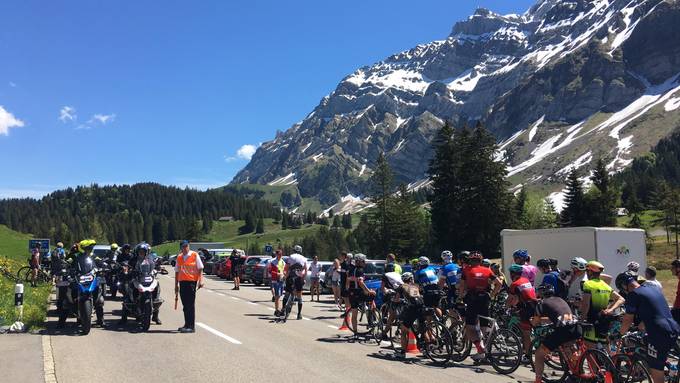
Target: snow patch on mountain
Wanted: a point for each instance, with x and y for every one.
(287, 180)
(578, 163)
(534, 128)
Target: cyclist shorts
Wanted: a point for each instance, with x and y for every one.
(477, 304)
(658, 348)
(599, 331)
(409, 314)
(278, 288)
(357, 297)
(294, 284)
(560, 336)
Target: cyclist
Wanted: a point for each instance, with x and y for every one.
(650, 307)
(410, 292)
(521, 257)
(477, 283)
(276, 267)
(58, 256)
(346, 267)
(550, 275)
(427, 279)
(449, 275)
(295, 273)
(35, 263)
(522, 296)
(575, 277)
(390, 282)
(556, 311)
(596, 297)
(496, 268)
(315, 284)
(358, 292)
(391, 264)
(553, 265)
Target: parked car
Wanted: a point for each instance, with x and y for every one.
(374, 269)
(247, 268)
(257, 276)
(325, 265)
(223, 269)
(100, 251)
(210, 266)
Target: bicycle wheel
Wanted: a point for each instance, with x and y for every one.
(631, 370)
(437, 343)
(288, 306)
(504, 351)
(375, 324)
(596, 366)
(555, 367)
(459, 345)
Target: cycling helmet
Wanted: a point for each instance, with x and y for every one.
(414, 262)
(633, 266)
(579, 263)
(60, 245)
(486, 262)
(86, 243)
(114, 246)
(553, 262)
(463, 254)
(522, 254)
(543, 263)
(516, 269)
(546, 290)
(423, 261)
(298, 249)
(350, 256)
(595, 266)
(127, 246)
(625, 278)
(475, 256)
(143, 246)
(675, 263)
(407, 277)
(495, 266)
(447, 256)
(360, 257)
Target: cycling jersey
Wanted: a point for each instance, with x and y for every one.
(552, 278)
(529, 272)
(523, 289)
(477, 278)
(296, 264)
(600, 292)
(392, 280)
(557, 310)
(451, 272)
(393, 267)
(427, 278)
(356, 276)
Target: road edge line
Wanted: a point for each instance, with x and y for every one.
(217, 333)
(48, 360)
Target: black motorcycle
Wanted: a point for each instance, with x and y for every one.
(142, 298)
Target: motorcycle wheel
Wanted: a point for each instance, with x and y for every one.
(86, 316)
(146, 314)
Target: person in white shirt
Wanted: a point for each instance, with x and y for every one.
(315, 271)
(650, 276)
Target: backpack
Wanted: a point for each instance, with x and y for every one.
(562, 288)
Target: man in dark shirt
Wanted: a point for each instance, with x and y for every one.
(358, 292)
(556, 311)
(235, 260)
(650, 307)
(675, 269)
(345, 267)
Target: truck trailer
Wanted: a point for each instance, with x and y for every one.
(613, 247)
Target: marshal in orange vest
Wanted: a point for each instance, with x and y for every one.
(188, 271)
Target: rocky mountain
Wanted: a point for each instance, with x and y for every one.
(561, 85)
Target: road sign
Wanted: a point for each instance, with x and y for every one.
(44, 245)
(268, 249)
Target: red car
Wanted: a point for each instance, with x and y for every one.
(224, 269)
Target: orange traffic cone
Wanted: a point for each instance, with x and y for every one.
(412, 347)
(344, 327)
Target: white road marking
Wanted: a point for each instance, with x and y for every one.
(220, 294)
(238, 299)
(252, 303)
(209, 291)
(333, 327)
(217, 333)
(305, 318)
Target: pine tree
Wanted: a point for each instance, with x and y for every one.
(380, 191)
(336, 221)
(260, 226)
(249, 225)
(601, 199)
(573, 213)
(443, 171)
(347, 221)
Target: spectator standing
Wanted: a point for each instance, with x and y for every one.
(188, 277)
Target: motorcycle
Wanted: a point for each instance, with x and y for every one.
(112, 277)
(86, 293)
(142, 298)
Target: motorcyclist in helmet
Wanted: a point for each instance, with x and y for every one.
(144, 256)
(86, 247)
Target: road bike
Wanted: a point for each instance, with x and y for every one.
(25, 274)
(503, 347)
(432, 337)
(369, 321)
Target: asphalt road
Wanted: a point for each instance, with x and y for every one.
(237, 339)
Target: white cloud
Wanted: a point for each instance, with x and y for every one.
(67, 114)
(7, 121)
(12, 84)
(246, 151)
(103, 118)
(83, 127)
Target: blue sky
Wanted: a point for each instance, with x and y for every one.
(170, 92)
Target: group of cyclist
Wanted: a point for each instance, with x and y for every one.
(565, 300)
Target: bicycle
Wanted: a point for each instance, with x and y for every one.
(432, 337)
(503, 347)
(288, 300)
(453, 319)
(8, 274)
(26, 274)
(630, 359)
(373, 324)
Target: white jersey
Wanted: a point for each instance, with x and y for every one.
(315, 269)
(394, 279)
(297, 259)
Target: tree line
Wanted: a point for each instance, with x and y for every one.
(128, 213)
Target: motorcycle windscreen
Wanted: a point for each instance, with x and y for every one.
(146, 272)
(84, 265)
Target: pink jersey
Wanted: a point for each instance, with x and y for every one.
(529, 272)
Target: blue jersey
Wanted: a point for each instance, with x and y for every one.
(553, 278)
(451, 272)
(649, 304)
(427, 278)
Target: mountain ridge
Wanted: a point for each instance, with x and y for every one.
(559, 85)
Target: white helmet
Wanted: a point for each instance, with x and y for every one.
(350, 256)
(447, 255)
(633, 266)
(407, 277)
(360, 257)
(579, 263)
(423, 261)
(298, 249)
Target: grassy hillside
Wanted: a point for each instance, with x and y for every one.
(272, 193)
(13, 255)
(227, 232)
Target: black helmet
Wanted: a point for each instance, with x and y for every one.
(553, 262)
(675, 263)
(623, 279)
(126, 246)
(543, 263)
(546, 290)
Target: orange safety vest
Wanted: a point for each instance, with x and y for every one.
(187, 268)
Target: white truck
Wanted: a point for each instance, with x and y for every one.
(613, 247)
